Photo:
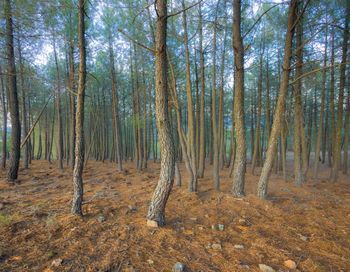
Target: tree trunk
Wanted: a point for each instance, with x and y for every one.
(115, 108)
(323, 97)
(192, 186)
(156, 211)
(202, 102)
(256, 154)
(240, 160)
(79, 143)
(12, 173)
(338, 134)
(4, 124)
(58, 109)
(279, 112)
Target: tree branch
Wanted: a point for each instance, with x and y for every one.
(137, 42)
(180, 11)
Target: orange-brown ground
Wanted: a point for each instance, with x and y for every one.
(309, 225)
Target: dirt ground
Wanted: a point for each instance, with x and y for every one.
(309, 225)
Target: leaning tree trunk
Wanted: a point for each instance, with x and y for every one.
(12, 173)
(79, 142)
(279, 112)
(338, 130)
(156, 211)
(240, 159)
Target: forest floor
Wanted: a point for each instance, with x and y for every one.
(309, 225)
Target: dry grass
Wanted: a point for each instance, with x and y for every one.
(36, 227)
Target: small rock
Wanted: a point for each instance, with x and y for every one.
(200, 228)
(179, 267)
(132, 208)
(101, 218)
(238, 246)
(193, 218)
(290, 264)
(152, 224)
(266, 268)
(56, 262)
(150, 261)
(244, 266)
(216, 246)
(221, 227)
(304, 238)
(208, 246)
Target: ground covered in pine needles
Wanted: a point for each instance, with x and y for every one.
(208, 231)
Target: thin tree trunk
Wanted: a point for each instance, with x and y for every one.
(79, 143)
(280, 107)
(58, 109)
(320, 126)
(202, 101)
(338, 134)
(115, 107)
(192, 186)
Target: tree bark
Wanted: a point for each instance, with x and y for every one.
(280, 107)
(192, 186)
(4, 124)
(202, 101)
(79, 143)
(115, 108)
(323, 97)
(338, 129)
(156, 211)
(12, 173)
(240, 160)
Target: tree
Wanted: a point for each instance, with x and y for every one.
(339, 126)
(156, 211)
(79, 142)
(12, 173)
(279, 111)
(4, 124)
(240, 159)
(202, 100)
